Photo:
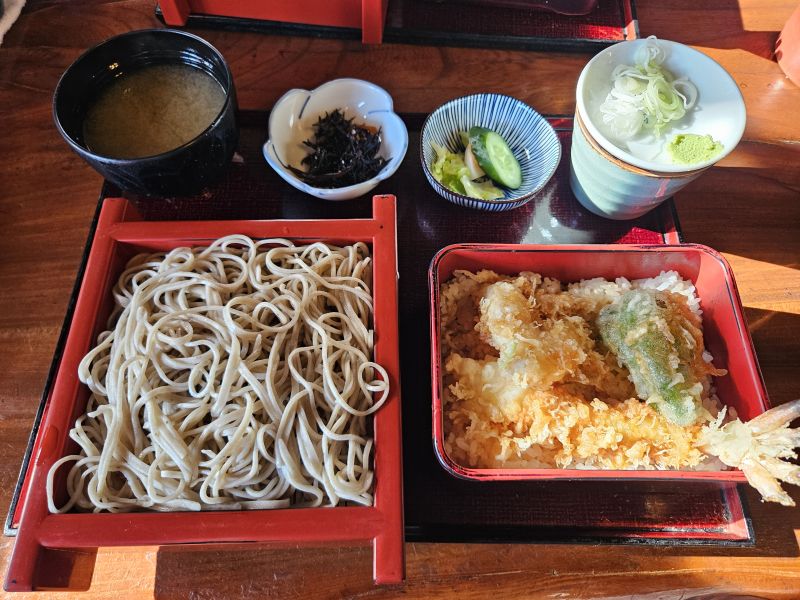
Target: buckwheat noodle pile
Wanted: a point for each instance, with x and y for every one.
(237, 376)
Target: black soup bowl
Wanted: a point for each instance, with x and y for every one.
(182, 171)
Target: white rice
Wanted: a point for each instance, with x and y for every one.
(669, 281)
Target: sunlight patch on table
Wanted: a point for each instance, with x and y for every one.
(766, 285)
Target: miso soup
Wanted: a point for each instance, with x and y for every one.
(152, 110)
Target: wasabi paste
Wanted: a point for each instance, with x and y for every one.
(691, 148)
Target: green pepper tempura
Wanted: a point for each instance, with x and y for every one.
(660, 341)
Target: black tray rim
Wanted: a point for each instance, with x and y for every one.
(667, 219)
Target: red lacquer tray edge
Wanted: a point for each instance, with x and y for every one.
(382, 523)
(761, 402)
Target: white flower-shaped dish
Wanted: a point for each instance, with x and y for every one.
(293, 116)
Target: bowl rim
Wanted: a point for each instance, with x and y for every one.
(627, 157)
(389, 169)
(442, 189)
(532, 474)
(617, 162)
(230, 95)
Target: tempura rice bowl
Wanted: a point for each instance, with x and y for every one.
(726, 336)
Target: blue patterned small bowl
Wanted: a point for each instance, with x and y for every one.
(530, 137)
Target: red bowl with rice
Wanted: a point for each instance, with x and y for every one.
(725, 332)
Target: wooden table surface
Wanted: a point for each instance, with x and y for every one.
(748, 207)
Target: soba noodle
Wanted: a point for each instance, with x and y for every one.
(237, 376)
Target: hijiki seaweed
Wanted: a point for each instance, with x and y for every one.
(342, 153)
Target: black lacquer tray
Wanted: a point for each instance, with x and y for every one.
(439, 507)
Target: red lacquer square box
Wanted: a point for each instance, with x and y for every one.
(367, 15)
(120, 234)
(725, 330)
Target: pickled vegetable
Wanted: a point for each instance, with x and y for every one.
(451, 171)
(343, 153)
(495, 157)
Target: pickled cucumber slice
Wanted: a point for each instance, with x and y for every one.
(495, 157)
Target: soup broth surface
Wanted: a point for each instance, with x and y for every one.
(152, 110)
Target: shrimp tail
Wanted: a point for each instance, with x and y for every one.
(766, 485)
(759, 448)
(774, 418)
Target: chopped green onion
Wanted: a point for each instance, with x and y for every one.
(645, 95)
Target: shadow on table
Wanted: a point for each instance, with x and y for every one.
(775, 337)
(59, 569)
(434, 570)
(755, 219)
(263, 570)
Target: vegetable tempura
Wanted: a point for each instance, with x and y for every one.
(596, 374)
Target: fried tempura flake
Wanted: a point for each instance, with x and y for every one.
(529, 426)
(538, 376)
(546, 393)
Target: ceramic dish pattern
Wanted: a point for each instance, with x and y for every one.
(530, 137)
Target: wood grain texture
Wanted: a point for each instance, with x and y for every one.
(748, 208)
